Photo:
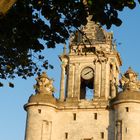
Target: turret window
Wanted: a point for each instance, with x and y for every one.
(95, 116)
(66, 135)
(126, 130)
(127, 109)
(102, 135)
(119, 130)
(39, 111)
(74, 116)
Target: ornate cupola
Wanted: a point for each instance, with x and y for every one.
(130, 87)
(39, 123)
(91, 68)
(44, 91)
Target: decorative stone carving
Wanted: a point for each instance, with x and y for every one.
(129, 81)
(44, 85)
(87, 39)
(101, 57)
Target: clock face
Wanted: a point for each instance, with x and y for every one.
(87, 73)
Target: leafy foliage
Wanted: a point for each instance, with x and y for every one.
(31, 22)
(106, 11)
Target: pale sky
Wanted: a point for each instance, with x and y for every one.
(13, 116)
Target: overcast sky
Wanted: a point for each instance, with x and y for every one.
(13, 116)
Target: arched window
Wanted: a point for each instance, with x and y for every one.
(46, 130)
(119, 130)
(87, 84)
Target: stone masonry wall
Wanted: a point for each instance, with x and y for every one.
(129, 114)
(47, 123)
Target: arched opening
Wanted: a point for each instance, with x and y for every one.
(66, 84)
(110, 81)
(87, 84)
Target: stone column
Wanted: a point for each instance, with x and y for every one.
(76, 81)
(70, 81)
(62, 83)
(97, 80)
(107, 82)
(103, 78)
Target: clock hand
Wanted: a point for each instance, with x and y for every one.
(87, 72)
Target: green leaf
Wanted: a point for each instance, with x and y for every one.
(11, 85)
(1, 84)
(90, 2)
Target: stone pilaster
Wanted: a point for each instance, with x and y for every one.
(107, 77)
(70, 81)
(103, 78)
(76, 81)
(97, 81)
(62, 83)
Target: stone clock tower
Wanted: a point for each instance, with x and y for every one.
(92, 65)
(89, 106)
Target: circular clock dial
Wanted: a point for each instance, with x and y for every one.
(87, 73)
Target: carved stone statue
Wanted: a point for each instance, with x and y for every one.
(44, 85)
(130, 81)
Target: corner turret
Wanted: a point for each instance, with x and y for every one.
(44, 90)
(126, 107)
(40, 109)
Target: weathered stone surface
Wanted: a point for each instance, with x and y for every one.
(127, 95)
(89, 106)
